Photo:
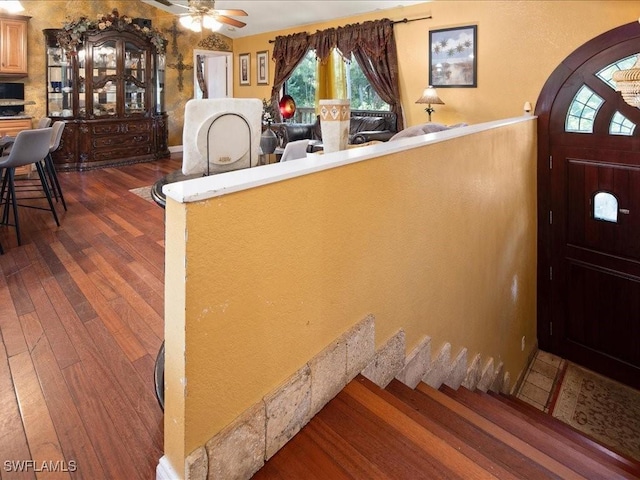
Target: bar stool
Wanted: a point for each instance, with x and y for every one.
(30, 147)
(56, 137)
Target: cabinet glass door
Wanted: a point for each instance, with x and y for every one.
(59, 89)
(105, 83)
(135, 79)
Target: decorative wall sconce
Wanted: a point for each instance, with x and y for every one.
(430, 97)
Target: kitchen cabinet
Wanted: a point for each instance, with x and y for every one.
(13, 45)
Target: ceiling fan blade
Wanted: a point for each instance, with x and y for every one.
(233, 13)
(166, 2)
(229, 21)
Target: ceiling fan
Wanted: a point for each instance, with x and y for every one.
(202, 13)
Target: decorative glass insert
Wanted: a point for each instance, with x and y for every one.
(605, 207)
(606, 73)
(582, 111)
(621, 125)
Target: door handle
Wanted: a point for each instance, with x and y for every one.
(624, 211)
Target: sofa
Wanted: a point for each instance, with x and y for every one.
(365, 126)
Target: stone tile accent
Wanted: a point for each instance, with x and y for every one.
(238, 451)
(458, 370)
(416, 364)
(548, 358)
(534, 395)
(487, 376)
(388, 362)
(196, 465)
(496, 385)
(328, 374)
(361, 346)
(506, 383)
(439, 368)
(539, 380)
(287, 410)
(473, 374)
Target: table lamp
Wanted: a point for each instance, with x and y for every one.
(430, 97)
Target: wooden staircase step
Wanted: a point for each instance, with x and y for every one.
(444, 460)
(547, 440)
(547, 461)
(470, 439)
(602, 452)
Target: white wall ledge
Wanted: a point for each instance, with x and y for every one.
(221, 184)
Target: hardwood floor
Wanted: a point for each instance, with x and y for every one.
(81, 322)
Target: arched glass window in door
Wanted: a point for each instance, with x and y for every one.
(606, 74)
(583, 110)
(621, 125)
(605, 207)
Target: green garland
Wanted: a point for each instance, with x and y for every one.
(73, 31)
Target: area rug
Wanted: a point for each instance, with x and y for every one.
(143, 192)
(601, 408)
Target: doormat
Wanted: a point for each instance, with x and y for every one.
(143, 192)
(603, 409)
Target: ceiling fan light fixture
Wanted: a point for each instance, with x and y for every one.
(192, 23)
(211, 23)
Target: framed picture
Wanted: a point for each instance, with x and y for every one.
(454, 59)
(244, 68)
(263, 67)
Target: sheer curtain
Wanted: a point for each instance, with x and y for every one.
(372, 43)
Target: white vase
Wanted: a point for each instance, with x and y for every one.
(335, 117)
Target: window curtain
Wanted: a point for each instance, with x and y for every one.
(331, 78)
(200, 59)
(372, 43)
(288, 52)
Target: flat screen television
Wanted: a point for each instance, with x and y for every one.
(12, 90)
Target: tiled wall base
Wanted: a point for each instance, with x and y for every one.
(241, 449)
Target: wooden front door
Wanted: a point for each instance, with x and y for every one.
(589, 210)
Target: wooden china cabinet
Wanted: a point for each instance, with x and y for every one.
(110, 93)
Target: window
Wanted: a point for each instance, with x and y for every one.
(301, 85)
(606, 74)
(605, 207)
(583, 110)
(621, 125)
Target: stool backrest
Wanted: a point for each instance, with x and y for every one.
(56, 135)
(29, 147)
(44, 122)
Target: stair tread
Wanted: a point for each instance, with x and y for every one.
(398, 432)
(573, 435)
(502, 454)
(448, 459)
(542, 437)
(500, 432)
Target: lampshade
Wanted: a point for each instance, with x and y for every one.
(430, 96)
(628, 84)
(287, 107)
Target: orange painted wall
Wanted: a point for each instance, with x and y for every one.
(520, 42)
(438, 240)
